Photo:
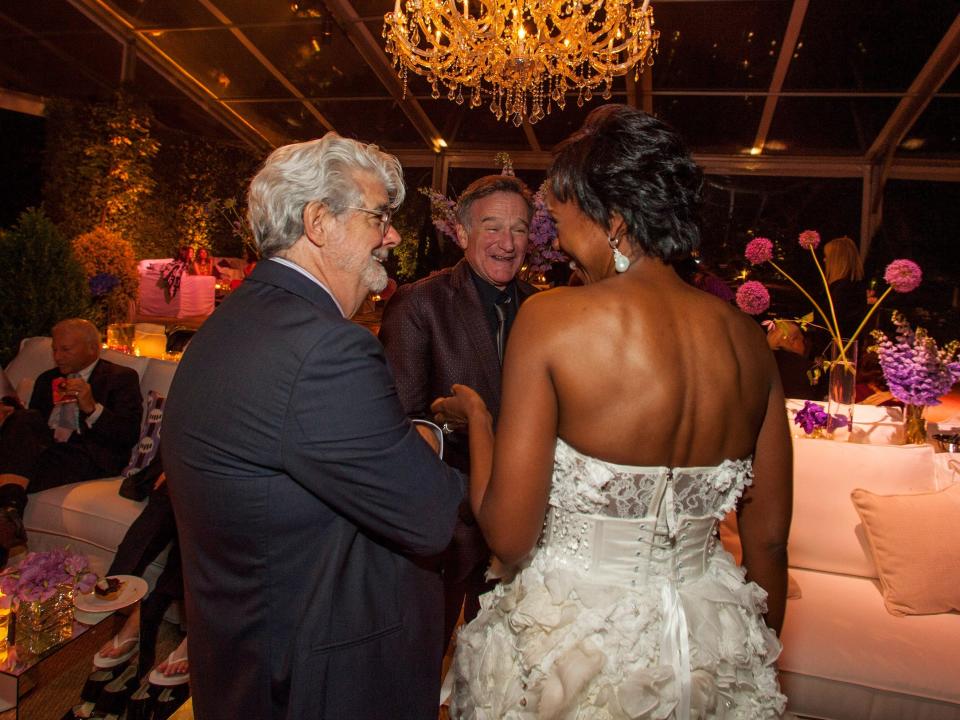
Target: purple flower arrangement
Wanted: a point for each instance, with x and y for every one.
(753, 297)
(901, 276)
(916, 370)
(40, 573)
(543, 231)
(813, 417)
(443, 212)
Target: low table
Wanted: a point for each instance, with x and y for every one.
(23, 671)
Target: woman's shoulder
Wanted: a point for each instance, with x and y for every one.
(563, 306)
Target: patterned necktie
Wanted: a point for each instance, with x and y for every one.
(500, 307)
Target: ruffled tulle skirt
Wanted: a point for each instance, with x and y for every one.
(556, 643)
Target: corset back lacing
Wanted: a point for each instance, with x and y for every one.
(674, 643)
(626, 551)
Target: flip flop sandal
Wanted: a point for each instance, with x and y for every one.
(158, 678)
(104, 663)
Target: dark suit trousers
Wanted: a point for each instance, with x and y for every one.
(27, 448)
(464, 564)
(154, 529)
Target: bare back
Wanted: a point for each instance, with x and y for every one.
(649, 371)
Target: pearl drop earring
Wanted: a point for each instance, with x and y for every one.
(620, 261)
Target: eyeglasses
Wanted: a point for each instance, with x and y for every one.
(385, 217)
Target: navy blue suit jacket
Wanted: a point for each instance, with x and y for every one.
(304, 499)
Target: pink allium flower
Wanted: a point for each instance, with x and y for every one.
(903, 275)
(753, 298)
(809, 239)
(759, 250)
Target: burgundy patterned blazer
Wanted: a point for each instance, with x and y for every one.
(435, 333)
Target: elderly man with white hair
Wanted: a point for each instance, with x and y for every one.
(308, 505)
(82, 422)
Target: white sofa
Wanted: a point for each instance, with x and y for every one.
(845, 657)
(91, 517)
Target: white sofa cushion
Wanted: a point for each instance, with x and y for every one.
(840, 632)
(131, 361)
(824, 534)
(90, 516)
(33, 358)
(157, 377)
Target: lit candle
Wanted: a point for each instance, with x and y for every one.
(151, 344)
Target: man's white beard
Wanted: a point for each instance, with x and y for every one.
(374, 276)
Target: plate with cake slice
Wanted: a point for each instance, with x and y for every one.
(112, 593)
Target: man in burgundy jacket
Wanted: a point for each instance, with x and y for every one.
(446, 329)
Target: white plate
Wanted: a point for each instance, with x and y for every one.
(88, 618)
(133, 589)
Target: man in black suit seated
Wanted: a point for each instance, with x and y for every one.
(82, 421)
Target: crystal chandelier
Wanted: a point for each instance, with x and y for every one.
(522, 55)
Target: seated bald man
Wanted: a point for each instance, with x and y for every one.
(82, 421)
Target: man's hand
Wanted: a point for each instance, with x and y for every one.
(81, 389)
(5, 412)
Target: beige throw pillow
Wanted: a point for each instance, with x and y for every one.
(915, 541)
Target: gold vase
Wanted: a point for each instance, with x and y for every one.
(914, 426)
(41, 624)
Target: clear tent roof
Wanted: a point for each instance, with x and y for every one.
(798, 78)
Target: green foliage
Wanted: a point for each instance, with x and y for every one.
(98, 169)
(107, 164)
(197, 177)
(411, 221)
(102, 251)
(41, 282)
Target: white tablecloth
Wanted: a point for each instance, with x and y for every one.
(195, 298)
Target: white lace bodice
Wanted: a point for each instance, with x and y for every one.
(628, 523)
(585, 484)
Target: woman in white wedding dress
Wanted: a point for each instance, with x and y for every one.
(637, 411)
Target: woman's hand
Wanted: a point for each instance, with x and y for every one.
(459, 410)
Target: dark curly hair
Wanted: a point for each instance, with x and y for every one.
(625, 161)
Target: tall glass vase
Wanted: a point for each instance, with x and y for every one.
(842, 388)
(914, 426)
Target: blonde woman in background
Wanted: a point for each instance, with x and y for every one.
(844, 272)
